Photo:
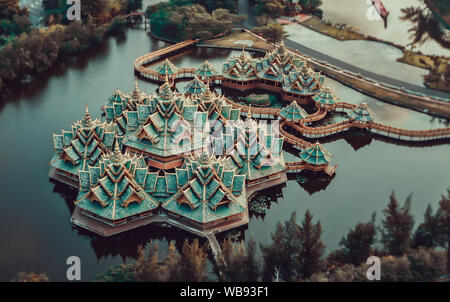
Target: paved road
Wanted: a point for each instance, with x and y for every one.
(244, 8)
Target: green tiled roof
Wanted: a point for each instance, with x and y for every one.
(195, 86)
(167, 68)
(206, 70)
(83, 146)
(325, 97)
(316, 155)
(164, 131)
(206, 191)
(293, 112)
(111, 190)
(253, 152)
(362, 114)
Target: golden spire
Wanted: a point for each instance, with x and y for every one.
(136, 87)
(117, 152)
(87, 120)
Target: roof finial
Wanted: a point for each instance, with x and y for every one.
(136, 87)
(87, 117)
(117, 151)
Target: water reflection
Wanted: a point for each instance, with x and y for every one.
(260, 202)
(310, 181)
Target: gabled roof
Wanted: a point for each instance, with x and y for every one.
(316, 155)
(111, 191)
(164, 133)
(207, 191)
(293, 112)
(362, 114)
(206, 70)
(167, 68)
(83, 145)
(195, 86)
(254, 151)
(325, 97)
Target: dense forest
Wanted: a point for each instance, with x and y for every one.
(183, 19)
(26, 51)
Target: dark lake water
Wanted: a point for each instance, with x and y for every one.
(35, 229)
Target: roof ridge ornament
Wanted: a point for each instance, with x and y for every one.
(87, 119)
(118, 156)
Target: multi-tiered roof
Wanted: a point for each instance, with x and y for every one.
(278, 66)
(167, 68)
(165, 132)
(325, 97)
(362, 114)
(110, 190)
(206, 70)
(207, 191)
(196, 86)
(254, 151)
(293, 112)
(83, 145)
(215, 105)
(316, 155)
(241, 67)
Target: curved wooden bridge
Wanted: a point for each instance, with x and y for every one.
(141, 70)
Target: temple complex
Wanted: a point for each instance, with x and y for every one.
(189, 158)
(167, 162)
(279, 71)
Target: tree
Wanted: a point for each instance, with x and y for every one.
(444, 225)
(134, 5)
(296, 250)
(397, 226)
(426, 24)
(311, 246)
(278, 257)
(153, 269)
(310, 6)
(426, 234)
(357, 245)
(30, 277)
(193, 262)
(10, 9)
(241, 262)
(272, 8)
(119, 273)
(273, 32)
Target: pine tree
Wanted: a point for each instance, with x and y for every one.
(10, 9)
(252, 266)
(311, 246)
(278, 257)
(193, 262)
(357, 245)
(241, 263)
(426, 234)
(444, 225)
(295, 251)
(397, 226)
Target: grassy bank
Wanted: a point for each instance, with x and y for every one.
(236, 36)
(332, 30)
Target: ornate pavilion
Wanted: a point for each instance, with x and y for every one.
(146, 160)
(279, 71)
(156, 157)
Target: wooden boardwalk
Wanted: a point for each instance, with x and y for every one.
(142, 71)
